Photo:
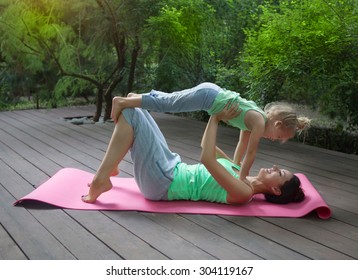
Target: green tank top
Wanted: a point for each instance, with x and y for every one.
(245, 105)
(194, 182)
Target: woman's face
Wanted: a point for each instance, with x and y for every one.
(274, 176)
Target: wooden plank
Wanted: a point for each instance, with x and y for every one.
(35, 241)
(167, 242)
(345, 216)
(33, 143)
(199, 236)
(84, 143)
(344, 247)
(98, 138)
(8, 248)
(297, 236)
(82, 138)
(128, 245)
(50, 146)
(261, 245)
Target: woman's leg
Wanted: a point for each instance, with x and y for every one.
(121, 141)
(153, 161)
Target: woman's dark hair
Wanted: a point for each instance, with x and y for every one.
(291, 191)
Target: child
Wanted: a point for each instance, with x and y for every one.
(278, 121)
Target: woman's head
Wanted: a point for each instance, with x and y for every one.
(281, 186)
(283, 122)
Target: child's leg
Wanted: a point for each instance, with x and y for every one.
(197, 98)
(121, 141)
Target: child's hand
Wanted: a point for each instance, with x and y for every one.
(230, 111)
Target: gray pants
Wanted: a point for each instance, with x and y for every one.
(197, 98)
(153, 162)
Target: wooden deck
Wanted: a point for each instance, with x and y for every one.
(35, 144)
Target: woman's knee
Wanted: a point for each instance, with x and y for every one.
(129, 114)
(135, 116)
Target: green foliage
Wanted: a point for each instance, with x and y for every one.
(6, 95)
(175, 36)
(72, 87)
(30, 37)
(307, 52)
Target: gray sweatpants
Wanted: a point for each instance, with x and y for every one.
(197, 98)
(153, 161)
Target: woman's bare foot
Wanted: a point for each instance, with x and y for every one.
(97, 187)
(115, 172)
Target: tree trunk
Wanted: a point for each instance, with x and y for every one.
(134, 58)
(108, 96)
(99, 103)
(108, 105)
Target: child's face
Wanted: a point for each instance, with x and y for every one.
(275, 131)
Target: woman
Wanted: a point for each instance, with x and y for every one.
(161, 175)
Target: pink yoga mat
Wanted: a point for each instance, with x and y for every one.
(66, 187)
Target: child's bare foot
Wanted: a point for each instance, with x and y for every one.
(118, 104)
(132, 94)
(97, 187)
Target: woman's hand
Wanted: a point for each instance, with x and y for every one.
(230, 111)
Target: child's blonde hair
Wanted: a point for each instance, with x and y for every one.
(286, 113)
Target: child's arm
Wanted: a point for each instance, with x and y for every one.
(256, 123)
(241, 146)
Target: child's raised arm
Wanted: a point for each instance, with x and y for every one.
(256, 124)
(241, 146)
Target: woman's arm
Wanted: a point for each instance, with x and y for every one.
(238, 191)
(221, 154)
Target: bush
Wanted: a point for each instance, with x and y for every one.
(330, 138)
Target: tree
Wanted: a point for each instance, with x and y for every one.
(87, 42)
